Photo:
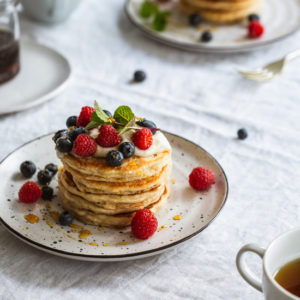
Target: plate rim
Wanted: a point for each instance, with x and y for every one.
(48, 96)
(200, 48)
(120, 256)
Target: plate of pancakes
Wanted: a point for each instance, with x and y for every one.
(227, 20)
(81, 184)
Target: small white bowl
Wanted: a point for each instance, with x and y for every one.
(49, 11)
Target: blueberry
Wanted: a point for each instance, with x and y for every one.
(253, 17)
(206, 36)
(127, 149)
(195, 19)
(59, 134)
(74, 133)
(71, 121)
(242, 134)
(108, 113)
(52, 168)
(44, 177)
(27, 168)
(47, 192)
(114, 158)
(148, 124)
(64, 145)
(139, 76)
(65, 218)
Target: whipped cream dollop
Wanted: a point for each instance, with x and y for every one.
(159, 144)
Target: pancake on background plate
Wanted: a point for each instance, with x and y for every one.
(221, 11)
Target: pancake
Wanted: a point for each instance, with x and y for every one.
(221, 15)
(133, 168)
(227, 5)
(106, 201)
(117, 220)
(120, 188)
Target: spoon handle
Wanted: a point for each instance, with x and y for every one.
(293, 55)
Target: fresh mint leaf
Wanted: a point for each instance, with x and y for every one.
(160, 20)
(148, 9)
(100, 113)
(99, 117)
(123, 114)
(131, 123)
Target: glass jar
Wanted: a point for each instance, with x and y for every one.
(9, 40)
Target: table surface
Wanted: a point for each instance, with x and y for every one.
(198, 96)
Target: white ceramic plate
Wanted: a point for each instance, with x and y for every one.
(280, 18)
(197, 209)
(44, 74)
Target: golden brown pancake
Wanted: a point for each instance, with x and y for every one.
(217, 12)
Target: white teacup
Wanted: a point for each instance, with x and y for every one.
(281, 251)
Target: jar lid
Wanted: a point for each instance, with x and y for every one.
(5, 3)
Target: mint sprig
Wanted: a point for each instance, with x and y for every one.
(159, 18)
(123, 119)
(123, 114)
(148, 9)
(99, 117)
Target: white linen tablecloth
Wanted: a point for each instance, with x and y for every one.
(198, 96)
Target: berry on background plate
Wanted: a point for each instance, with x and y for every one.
(253, 17)
(195, 19)
(201, 178)
(30, 192)
(144, 224)
(206, 36)
(255, 29)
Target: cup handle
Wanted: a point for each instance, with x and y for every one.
(244, 269)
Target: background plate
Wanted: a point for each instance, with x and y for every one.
(197, 209)
(280, 18)
(44, 73)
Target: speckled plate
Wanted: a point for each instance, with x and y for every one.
(196, 209)
(280, 18)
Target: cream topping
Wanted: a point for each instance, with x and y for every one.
(159, 144)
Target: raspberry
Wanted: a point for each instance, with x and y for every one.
(201, 178)
(85, 116)
(108, 136)
(143, 224)
(84, 145)
(142, 138)
(30, 192)
(255, 29)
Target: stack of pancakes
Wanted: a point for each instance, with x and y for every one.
(98, 194)
(221, 11)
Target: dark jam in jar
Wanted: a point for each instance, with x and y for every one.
(9, 56)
